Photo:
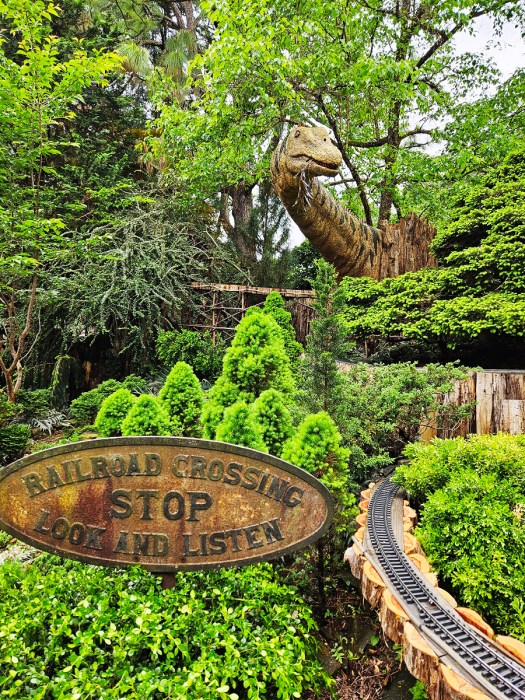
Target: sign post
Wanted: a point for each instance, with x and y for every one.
(168, 504)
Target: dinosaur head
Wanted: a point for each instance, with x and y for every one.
(310, 149)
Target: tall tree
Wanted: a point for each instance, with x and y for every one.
(379, 74)
(38, 92)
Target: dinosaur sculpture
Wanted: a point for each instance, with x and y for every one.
(353, 247)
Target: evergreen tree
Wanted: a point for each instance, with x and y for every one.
(182, 397)
(273, 419)
(147, 417)
(222, 394)
(113, 411)
(238, 427)
(274, 306)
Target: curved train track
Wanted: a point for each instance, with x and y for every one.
(482, 662)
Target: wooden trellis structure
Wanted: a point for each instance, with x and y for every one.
(222, 306)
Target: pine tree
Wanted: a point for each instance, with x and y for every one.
(147, 417)
(239, 428)
(273, 419)
(182, 397)
(113, 411)
(274, 306)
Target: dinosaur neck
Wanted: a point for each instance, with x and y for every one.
(354, 248)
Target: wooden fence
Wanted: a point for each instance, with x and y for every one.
(499, 397)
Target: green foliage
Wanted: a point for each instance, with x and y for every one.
(195, 348)
(34, 403)
(77, 631)
(223, 393)
(477, 292)
(135, 384)
(316, 447)
(256, 359)
(238, 427)
(5, 538)
(147, 416)
(14, 439)
(321, 380)
(274, 306)
(418, 691)
(113, 410)
(273, 418)
(84, 408)
(302, 266)
(472, 520)
(182, 397)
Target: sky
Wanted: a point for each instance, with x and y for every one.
(508, 52)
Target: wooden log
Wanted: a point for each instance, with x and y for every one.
(421, 562)
(446, 595)
(420, 659)
(454, 687)
(372, 585)
(475, 619)
(360, 534)
(365, 495)
(410, 513)
(356, 560)
(361, 519)
(513, 646)
(431, 578)
(392, 617)
(363, 505)
(411, 545)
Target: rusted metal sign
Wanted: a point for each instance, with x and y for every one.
(165, 503)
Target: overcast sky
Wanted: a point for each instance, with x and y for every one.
(507, 51)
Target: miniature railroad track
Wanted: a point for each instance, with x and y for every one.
(481, 661)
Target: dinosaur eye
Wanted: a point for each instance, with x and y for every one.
(297, 134)
(324, 139)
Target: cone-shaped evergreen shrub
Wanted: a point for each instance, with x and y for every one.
(222, 395)
(316, 448)
(256, 359)
(147, 417)
(274, 306)
(273, 419)
(182, 397)
(239, 428)
(113, 411)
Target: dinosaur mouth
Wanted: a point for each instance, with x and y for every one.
(326, 166)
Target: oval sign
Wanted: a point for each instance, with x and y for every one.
(165, 503)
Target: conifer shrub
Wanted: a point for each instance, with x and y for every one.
(197, 349)
(222, 395)
(147, 416)
(316, 448)
(256, 359)
(84, 408)
(113, 411)
(274, 306)
(239, 428)
(273, 418)
(182, 397)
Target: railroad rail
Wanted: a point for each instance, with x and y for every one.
(482, 662)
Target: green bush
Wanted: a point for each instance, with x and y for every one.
(316, 447)
(34, 403)
(137, 385)
(76, 631)
(113, 411)
(222, 394)
(273, 419)
(85, 407)
(14, 439)
(182, 397)
(239, 428)
(197, 349)
(472, 520)
(147, 416)
(274, 306)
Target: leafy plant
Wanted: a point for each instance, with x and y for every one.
(418, 691)
(52, 420)
(5, 538)
(77, 631)
(147, 416)
(182, 397)
(113, 411)
(274, 306)
(471, 525)
(84, 408)
(238, 427)
(197, 349)
(14, 439)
